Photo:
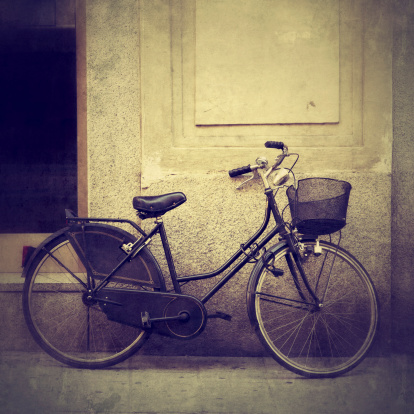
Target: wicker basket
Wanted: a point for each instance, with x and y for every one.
(319, 205)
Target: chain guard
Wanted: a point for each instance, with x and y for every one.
(127, 307)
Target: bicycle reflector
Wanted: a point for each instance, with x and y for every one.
(26, 253)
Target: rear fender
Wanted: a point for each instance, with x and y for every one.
(99, 248)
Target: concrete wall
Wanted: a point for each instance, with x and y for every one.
(402, 182)
(113, 106)
(137, 134)
(141, 60)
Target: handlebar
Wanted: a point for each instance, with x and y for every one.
(275, 144)
(248, 168)
(240, 171)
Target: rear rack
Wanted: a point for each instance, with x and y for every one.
(72, 218)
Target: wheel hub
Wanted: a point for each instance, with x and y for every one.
(88, 299)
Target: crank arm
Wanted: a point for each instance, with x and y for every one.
(147, 320)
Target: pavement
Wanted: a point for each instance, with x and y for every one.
(35, 383)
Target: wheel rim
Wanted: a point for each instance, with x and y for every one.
(328, 341)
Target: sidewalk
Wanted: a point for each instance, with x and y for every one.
(35, 383)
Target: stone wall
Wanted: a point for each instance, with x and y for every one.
(140, 117)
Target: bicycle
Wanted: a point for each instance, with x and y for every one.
(93, 292)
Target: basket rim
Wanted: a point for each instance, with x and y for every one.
(322, 178)
(291, 189)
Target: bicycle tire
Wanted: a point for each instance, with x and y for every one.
(321, 343)
(60, 318)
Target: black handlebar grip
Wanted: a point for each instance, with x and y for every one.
(274, 144)
(240, 171)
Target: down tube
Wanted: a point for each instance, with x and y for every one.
(239, 252)
(240, 265)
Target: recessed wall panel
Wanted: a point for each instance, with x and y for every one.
(266, 62)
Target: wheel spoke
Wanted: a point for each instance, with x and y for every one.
(59, 263)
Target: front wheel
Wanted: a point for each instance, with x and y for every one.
(314, 341)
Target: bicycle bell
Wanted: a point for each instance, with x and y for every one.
(262, 162)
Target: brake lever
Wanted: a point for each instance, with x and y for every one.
(253, 176)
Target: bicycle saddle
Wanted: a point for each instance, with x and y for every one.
(156, 206)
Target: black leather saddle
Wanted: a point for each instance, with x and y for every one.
(156, 206)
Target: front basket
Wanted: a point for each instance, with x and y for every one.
(318, 206)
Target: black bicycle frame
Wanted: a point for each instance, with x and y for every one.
(279, 229)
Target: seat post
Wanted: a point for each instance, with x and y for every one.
(168, 256)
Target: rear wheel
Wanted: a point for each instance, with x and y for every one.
(313, 341)
(62, 317)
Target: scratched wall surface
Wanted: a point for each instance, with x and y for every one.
(143, 135)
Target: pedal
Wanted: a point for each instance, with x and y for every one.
(220, 315)
(146, 321)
